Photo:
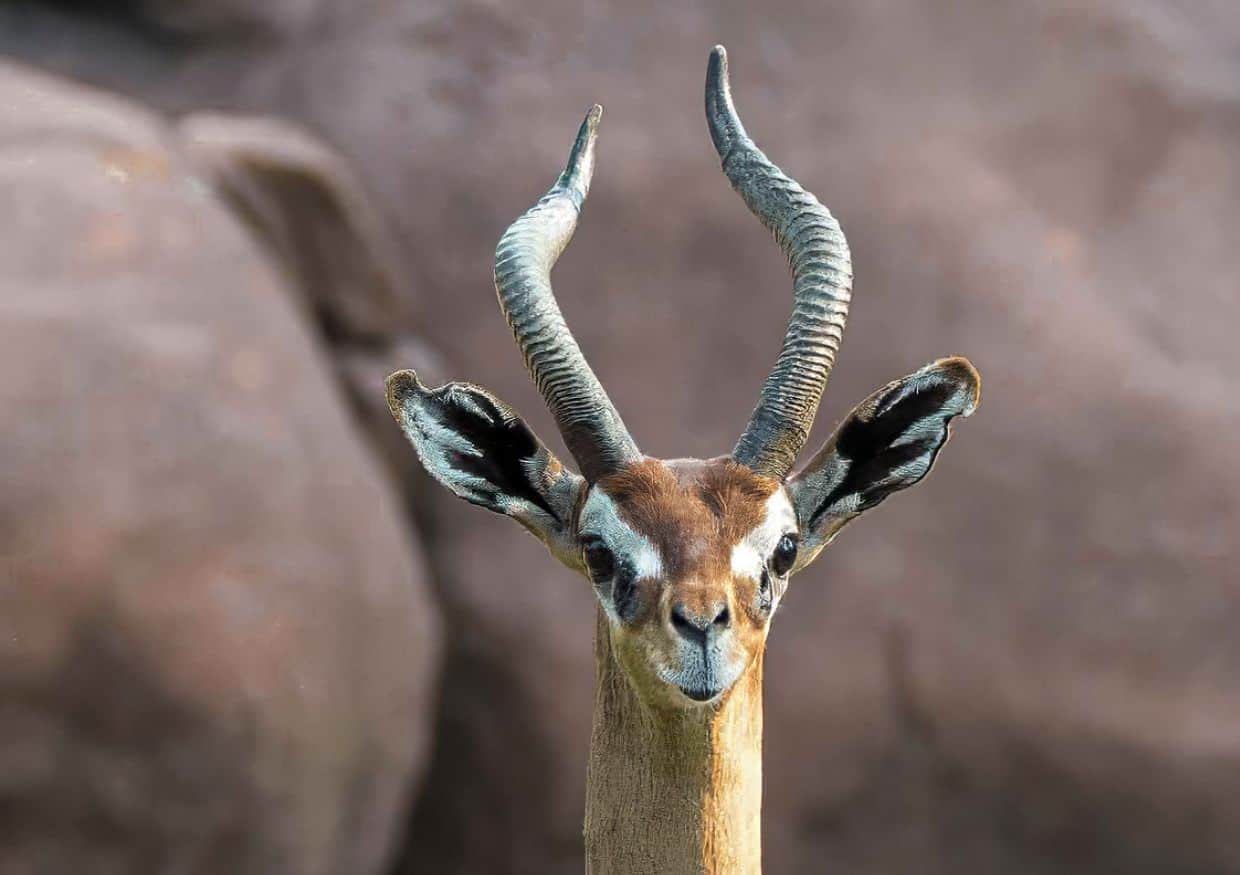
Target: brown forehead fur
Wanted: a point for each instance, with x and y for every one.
(694, 511)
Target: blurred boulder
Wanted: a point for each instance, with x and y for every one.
(304, 203)
(1028, 663)
(217, 643)
(200, 19)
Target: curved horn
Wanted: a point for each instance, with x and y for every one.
(821, 276)
(591, 426)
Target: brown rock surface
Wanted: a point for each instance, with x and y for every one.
(216, 640)
(1029, 663)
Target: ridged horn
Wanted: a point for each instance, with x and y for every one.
(591, 426)
(822, 284)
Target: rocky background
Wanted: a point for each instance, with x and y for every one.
(239, 633)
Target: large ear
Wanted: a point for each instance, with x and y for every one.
(478, 447)
(886, 444)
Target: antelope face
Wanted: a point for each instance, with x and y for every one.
(688, 558)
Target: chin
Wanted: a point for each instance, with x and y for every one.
(692, 690)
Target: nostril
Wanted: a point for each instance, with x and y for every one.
(687, 625)
(694, 627)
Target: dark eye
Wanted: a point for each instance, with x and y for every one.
(785, 554)
(599, 560)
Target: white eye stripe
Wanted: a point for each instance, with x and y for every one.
(599, 516)
(750, 555)
(746, 561)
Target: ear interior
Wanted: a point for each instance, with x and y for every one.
(889, 442)
(479, 448)
(493, 448)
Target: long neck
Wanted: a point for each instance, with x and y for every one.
(673, 791)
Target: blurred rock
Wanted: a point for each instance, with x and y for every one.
(364, 372)
(1025, 665)
(200, 19)
(304, 204)
(217, 645)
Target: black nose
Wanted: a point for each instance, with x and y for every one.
(695, 627)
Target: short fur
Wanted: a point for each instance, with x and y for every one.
(685, 503)
(672, 791)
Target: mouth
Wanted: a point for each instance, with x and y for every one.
(699, 690)
(701, 694)
(700, 676)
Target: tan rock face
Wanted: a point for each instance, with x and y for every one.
(1028, 663)
(216, 639)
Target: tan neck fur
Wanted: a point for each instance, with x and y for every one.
(673, 791)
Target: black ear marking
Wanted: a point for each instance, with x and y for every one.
(474, 444)
(509, 446)
(874, 462)
(888, 443)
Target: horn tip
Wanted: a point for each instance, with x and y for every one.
(721, 118)
(589, 125)
(717, 67)
(580, 169)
